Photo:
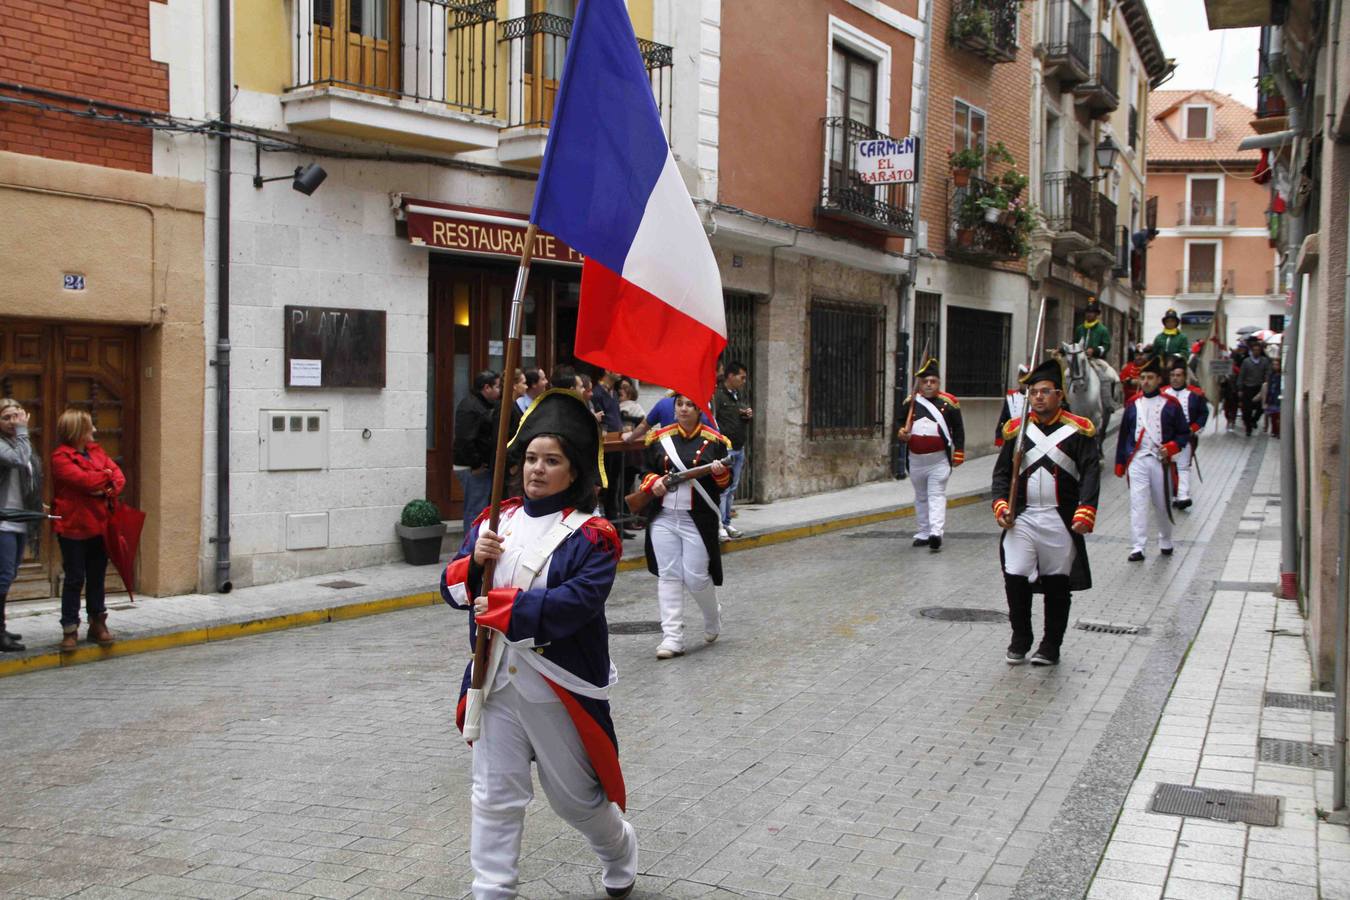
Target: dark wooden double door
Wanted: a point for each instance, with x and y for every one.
(52, 367)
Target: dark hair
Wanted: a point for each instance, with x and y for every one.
(484, 379)
(584, 381)
(581, 494)
(532, 376)
(625, 381)
(733, 368)
(564, 377)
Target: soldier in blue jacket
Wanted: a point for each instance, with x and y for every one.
(1152, 432)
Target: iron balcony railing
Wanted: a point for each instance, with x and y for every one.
(1066, 200)
(1206, 214)
(1106, 223)
(1203, 281)
(1108, 66)
(987, 28)
(536, 48)
(974, 234)
(1068, 37)
(844, 195)
(430, 50)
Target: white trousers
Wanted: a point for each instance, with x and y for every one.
(1183, 461)
(1038, 544)
(1146, 491)
(682, 562)
(928, 472)
(514, 732)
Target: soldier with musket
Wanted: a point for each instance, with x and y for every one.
(937, 444)
(1055, 503)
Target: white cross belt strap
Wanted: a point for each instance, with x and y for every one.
(1048, 445)
(669, 446)
(941, 422)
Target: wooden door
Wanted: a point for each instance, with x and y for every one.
(354, 43)
(49, 368)
(545, 51)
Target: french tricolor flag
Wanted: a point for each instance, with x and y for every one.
(651, 295)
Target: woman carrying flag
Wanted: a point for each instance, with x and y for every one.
(549, 673)
(681, 545)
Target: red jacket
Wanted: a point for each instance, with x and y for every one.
(81, 486)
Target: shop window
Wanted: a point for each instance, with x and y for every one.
(978, 344)
(847, 369)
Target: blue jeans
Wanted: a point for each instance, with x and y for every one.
(735, 459)
(11, 553)
(85, 563)
(477, 494)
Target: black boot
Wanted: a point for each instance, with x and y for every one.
(1019, 594)
(1057, 600)
(9, 642)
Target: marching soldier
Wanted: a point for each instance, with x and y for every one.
(937, 443)
(1013, 405)
(1096, 340)
(1196, 409)
(1042, 548)
(1152, 432)
(1170, 341)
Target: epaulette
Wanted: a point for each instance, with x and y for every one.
(1011, 427)
(654, 436)
(1084, 425)
(714, 435)
(600, 532)
(508, 504)
(950, 399)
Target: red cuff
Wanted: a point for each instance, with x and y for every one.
(1000, 507)
(1194, 428)
(1172, 447)
(498, 615)
(724, 479)
(648, 481)
(958, 457)
(998, 442)
(1120, 471)
(1087, 515)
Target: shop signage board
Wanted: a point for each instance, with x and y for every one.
(467, 230)
(333, 347)
(887, 160)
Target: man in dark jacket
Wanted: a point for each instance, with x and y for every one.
(475, 443)
(1253, 374)
(733, 416)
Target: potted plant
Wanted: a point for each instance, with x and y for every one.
(974, 25)
(1013, 183)
(420, 531)
(963, 162)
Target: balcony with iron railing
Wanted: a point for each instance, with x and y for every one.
(1105, 214)
(846, 197)
(1066, 45)
(1206, 214)
(980, 226)
(1100, 94)
(1203, 282)
(987, 28)
(1066, 201)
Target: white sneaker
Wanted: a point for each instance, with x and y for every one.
(666, 651)
(732, 531)
(722, 534)
(710, 636)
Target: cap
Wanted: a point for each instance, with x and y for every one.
(930, 367)
(1050, 370)
(560, 411)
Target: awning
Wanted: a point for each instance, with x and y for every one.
(477, 232)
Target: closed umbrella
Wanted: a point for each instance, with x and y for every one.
(121, 537)
(10, 514)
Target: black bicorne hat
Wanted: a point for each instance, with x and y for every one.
(1050, 370)
(561, 412)
(930, 367)
(1171, 314)
(1153, 365)
(1093, 306)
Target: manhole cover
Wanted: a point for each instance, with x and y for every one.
(1304, 754)
(1217, 804)
(1314, 702)
(634, 627)
(340, 585)
(964, 614)
(1110, 627)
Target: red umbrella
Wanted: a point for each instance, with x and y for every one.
(121, 537)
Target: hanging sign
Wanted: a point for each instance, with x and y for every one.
(888, 160)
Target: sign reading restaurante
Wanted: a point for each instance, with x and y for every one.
(479, 232)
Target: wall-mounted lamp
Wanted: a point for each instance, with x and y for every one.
(306, 179)
(1107, 151)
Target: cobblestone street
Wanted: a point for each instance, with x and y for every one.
(834, 743)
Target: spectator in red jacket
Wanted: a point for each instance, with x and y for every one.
(85, 482)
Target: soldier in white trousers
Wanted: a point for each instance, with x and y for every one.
(682, 546)
(1196, 409)
(936, 438)
(1152, 432)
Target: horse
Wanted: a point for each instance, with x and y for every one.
(1083, 389)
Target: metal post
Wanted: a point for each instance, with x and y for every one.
(222, 360)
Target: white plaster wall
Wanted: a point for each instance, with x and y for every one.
(694, 29)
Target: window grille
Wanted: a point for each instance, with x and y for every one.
(978, 342)
(847, 369)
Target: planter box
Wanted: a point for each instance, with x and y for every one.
(421, 545)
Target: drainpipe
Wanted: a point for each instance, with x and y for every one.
(222, 360)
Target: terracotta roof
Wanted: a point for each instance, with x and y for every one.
(1232, 123)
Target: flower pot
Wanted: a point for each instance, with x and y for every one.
(991, 215)
(1007, 219)
(965, 237)
(422, 544)
(960, 177)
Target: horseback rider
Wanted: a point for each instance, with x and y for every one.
(1171, 341)
(1095, 337)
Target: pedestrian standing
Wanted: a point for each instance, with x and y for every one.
(1196, 409)
(1152, 432)
(85, 482)
(549, 673)
(1274, 388)
(937, 444)
(681, 546)
(536, 382)
(474, 443)
(733, 417)
(1251, 383)
(20, 489)
(1042, 548)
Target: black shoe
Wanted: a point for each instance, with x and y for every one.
(935, 543)
(1137, 556)
(620, 892)
(1044, 657)
(9, 644)
(921, 542)
(1015, 658)
(13, 635)
(1165, 551)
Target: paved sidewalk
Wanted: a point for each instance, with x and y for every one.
(1211, 732)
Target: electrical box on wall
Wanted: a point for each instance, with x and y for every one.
(293, 439)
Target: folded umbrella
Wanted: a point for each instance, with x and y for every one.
(121, 537)
(10, 514)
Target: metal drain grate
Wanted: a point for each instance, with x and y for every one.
(1314, 702)
(964, 614)
(341, 585)
(1304, 754)
(1215, 803)
(641, 627)
(1111, 627)
(1254, 586)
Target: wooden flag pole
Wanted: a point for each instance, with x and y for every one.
(1026, 415)
(483, 641)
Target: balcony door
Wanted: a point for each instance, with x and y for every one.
(1204, 202)
(545, 50)
(853, 96)
(354, 44)
(1202, 268)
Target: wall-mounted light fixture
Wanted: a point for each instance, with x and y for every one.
(306, 179)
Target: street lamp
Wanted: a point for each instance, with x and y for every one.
(1107, 151)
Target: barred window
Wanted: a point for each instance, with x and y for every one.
(978, 343)
(847, 373)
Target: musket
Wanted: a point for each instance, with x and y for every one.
(639, 499)
(909, 419)
(1020, 447)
